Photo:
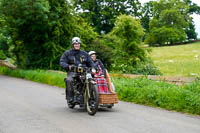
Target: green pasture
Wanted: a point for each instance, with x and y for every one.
(179, 60)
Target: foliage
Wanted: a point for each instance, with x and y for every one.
(41, 76)
(2, 55)
(5, 40)
(146, 68)
(194, 8)
(101, 14)
(43, 28)
(190, 31)
(147, 10)
(125, 39)
(160, 94)
(170, 18)
(147, 14)
(165, 35)
(104, 52)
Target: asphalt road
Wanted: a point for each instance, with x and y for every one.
(29, 107)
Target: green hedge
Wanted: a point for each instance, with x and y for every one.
(141, 90)
(2, 55)
(160, 94)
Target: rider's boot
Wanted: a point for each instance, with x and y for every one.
(71, 100)
(71, 96)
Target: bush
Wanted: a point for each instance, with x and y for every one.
(2, 55)
(41, 76)
(160, 94)
(104, 52)
(144, 68)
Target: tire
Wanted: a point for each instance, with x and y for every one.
(110, 106)
(92, 102)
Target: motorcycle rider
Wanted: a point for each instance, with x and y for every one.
(72, 59)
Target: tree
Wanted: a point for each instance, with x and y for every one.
(4, 38)
(41, 30)
(170, 18)
(104, 52)
(193, 9)
(126, 37)
(101, 14)
(147, 14)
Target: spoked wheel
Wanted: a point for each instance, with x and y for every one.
(92, 99)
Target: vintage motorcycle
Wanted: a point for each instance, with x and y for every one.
(85, 90)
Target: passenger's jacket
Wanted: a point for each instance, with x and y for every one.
(76, 58)
(100, 65)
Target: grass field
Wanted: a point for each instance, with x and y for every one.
(179, 60)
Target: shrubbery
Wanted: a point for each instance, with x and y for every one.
(2, 55)
(160, 94)
(41, 76)
(144, 68)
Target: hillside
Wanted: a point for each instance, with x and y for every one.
(179, 60)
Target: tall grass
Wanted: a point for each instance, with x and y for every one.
(160, 94)
(180, 60)
(140, 90)
(41, 76)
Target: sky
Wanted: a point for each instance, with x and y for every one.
(196, 18)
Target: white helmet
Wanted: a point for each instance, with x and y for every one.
(76, 40)
(91, 53)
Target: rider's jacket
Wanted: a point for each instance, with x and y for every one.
(76, 58)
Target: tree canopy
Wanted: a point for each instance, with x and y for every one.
(41, 30)
(170, 18)
(101, 14)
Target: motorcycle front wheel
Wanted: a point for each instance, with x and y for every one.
(92, 99)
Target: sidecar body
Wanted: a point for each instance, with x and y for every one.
(108, 99)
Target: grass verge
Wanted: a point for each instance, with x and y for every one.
(41, 76)
(141, 90)
(160, 94)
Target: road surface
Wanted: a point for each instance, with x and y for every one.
(29, 107)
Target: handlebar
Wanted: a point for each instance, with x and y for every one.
(80, 69)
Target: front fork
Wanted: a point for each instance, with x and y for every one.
(87, 92)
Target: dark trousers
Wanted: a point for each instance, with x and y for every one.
(69, 87)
